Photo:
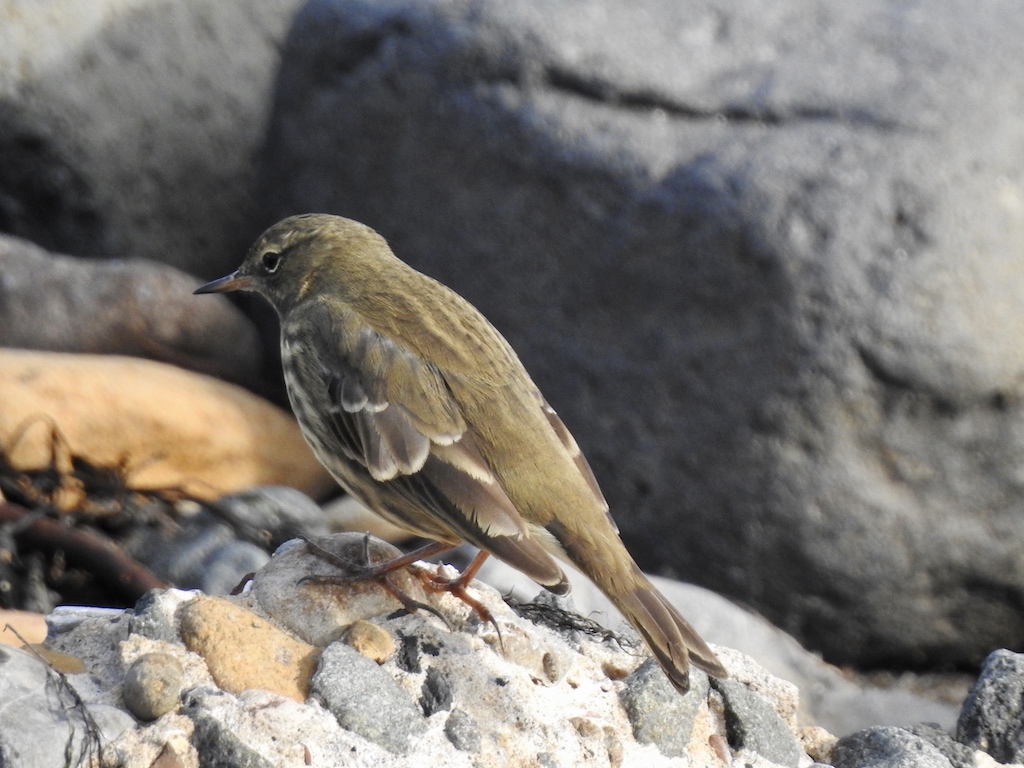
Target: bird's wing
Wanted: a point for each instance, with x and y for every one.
(393, 413)
(570, 444)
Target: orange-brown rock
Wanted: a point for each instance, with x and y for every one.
(169, 428)
(20, 627)
(243, 651)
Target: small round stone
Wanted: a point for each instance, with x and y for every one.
(462, 731)
(152, 685)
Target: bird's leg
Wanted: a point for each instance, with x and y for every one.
(367, 571)
(457, 588)
(378, 572)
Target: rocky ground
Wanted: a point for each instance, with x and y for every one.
(324, 674)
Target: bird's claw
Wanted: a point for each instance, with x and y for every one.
(435, 582)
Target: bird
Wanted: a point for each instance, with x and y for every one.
(421, 410)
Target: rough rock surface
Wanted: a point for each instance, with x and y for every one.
(449, 695)
(763, 259)
(121, 307)
(992, 718)
(445, 694)
(129, 126)
(829, 697)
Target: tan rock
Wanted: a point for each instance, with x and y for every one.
(20, 627)
(65, 663)
(244, 651)
(371, 640)
(818, 743)
(168, 427)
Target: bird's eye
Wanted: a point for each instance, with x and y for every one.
(271, 260)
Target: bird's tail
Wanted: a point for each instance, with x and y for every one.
(669, 636)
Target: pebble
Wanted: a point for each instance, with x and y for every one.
(152, 685)
(371, 640)
(658, 714)
(817, 743)
(366, 700)
(462, 731)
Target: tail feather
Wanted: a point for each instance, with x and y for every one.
(669, 636)
(529, 557)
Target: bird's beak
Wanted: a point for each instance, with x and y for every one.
(232, 282)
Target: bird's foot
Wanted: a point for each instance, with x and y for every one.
(436, 582)
(376, 572)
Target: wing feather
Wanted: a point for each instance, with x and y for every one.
(394, 417)
(577, 456)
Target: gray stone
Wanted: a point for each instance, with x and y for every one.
(764, 261)
(132, 307)
(152, 685)
(212, 737)
(152, 619)
(42, 723)
(203, 553)
(269, 515)
(887, 747)
(958, 755)
(462, 731)
(436, 693)
(992, 718)
(754, 726)
(365, 699)
(658, 714)
(137, 123)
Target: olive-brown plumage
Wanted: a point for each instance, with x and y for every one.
(421, 409)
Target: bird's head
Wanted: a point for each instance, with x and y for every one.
(300, 255)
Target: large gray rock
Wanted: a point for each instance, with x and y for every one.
(992, 718)
(764, 259)
(35, 700)
(59, 303)
(129, 126)
(887, 747)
